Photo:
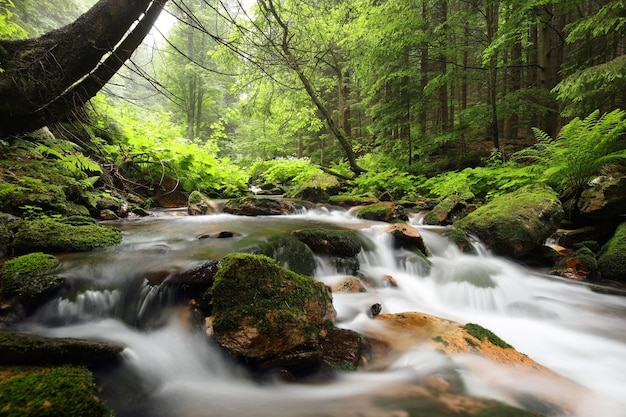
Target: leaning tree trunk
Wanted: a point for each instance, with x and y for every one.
(47, 77)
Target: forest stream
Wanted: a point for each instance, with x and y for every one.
(168, 370)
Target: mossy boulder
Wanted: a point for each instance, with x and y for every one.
(580, 265)
(343, 243)
(346, 200)
(58, 236)
(449, 207)
(316, 189)
(605, 198)
(28, 349)
(252, 206)
(200, 204)
(261, 309)
(28, 193)
(515, 223)
(31, 278)
(612, 258)
(385, 211)
(43, 391)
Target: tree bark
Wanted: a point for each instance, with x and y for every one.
(45, 78)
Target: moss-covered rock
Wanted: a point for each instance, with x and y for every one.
(39, 391)
(612, 259)
(515, 223)
(580, 265)
(200, 204)
(343, 243)
(431, 219)
(28, 349)
(386, 211)
(316, 189)
(261, 309)
(251, 206)
(18, 271)
(58, 236)
(346, 200)
(449, 207)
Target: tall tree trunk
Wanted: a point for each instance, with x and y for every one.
(47, 77)
(491, 17)
(293, 63)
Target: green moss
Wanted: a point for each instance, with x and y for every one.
(481, 333)
(383, 211)
(39, 392)
(18, 271)
(334, 242)
(515, 223)
(196, 197)
(612, 262)
(56, 236)
(351, 200)
(254, 289)
(431, 219)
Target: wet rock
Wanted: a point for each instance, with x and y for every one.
(393, 335)
(611, 260)
(449, 208)
(261, 309)
(315, 360)
(199, 204)
(580, 265)
(27, 349)
(461, 239)
(316, 189)
(63, 236)
(107, 214)
(348, 285)
(515, 223)
(406, 236)
(343, 243)
(386, 211)
(31, 280)
(251, 206)
(345, 200)
(170, 194)
(605, 199)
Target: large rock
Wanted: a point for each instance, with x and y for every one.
(515, 223)
(406, 236)
(251, 206)
(605, 199)
(386, 211)
(342, 243)
(200, 204)
(261, 309)
(612, 259)
(27, 349)
(31, 279)
(68, 235)
(391, 336)
(316, 189)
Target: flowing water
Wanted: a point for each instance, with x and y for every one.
(169, 370)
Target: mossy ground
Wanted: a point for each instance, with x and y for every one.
(41, 391)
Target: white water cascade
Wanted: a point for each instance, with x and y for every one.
(564, 326)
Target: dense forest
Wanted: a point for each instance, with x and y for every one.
(409, 98)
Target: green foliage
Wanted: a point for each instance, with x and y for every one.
(152, 147)
(483, 183)
(582, 148)
(8, 28)
(69, 156)
(289, 172)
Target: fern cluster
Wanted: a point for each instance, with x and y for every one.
(579, 152)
